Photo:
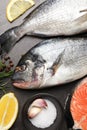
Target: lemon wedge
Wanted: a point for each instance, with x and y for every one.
(8, 111)
(15, 8)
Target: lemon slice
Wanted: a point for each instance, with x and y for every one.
(8, 111)
(16, 8)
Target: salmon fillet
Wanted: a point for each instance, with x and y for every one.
(78, 106)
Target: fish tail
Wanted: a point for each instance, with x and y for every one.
(9, 38)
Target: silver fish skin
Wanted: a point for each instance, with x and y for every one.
(52, 62)
(51, 18)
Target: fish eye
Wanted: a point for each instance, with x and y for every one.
(20, 68)
(23, 67)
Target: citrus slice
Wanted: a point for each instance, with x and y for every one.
(16, 8)
(8, 111)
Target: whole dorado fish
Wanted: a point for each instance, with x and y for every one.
(52, 62)
(51, 18)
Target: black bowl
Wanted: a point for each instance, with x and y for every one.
(59, 123)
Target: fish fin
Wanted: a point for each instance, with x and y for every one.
(52, 70)
(84, 10)
(81, 19)
(57, 63)
(38, 34)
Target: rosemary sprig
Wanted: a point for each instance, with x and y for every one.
(4, 74)
(4, 87)
(1, 64)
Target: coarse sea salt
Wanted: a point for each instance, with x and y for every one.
(46, 117)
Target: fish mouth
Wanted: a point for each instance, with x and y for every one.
(26, 84)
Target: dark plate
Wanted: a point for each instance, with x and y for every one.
(60, 122)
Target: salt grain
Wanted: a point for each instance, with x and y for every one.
(46, 117)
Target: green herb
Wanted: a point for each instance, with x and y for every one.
(3, 82)
(5, 74)
(3, 87)
(1, 64)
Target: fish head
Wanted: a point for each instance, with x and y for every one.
(28, 75)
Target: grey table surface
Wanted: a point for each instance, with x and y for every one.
(60, 92)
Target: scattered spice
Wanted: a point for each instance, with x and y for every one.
(6, 71)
